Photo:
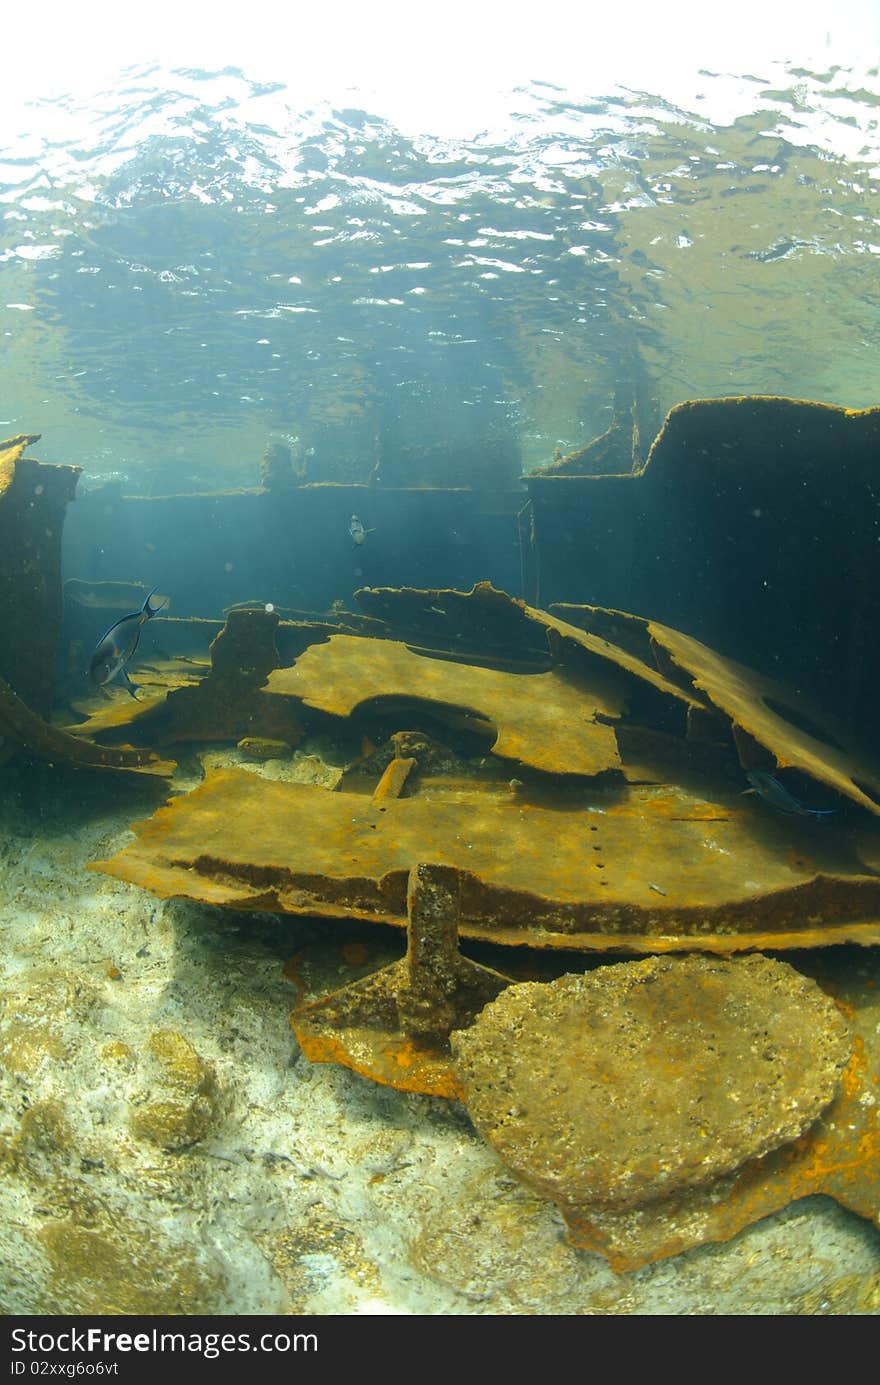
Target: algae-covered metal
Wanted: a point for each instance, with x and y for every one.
(643, 1087)
(394, 1025)
(579, 875)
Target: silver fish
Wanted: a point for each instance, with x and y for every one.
(114, 649)
(357, 531)
(768, 787)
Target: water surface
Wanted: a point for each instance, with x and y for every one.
(196, 262)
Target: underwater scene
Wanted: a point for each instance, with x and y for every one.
(439, 754)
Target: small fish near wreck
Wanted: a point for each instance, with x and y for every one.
(118, 645)
(768, 787)
(357, 531)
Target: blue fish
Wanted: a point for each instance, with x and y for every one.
(114, 649)
(768, 787)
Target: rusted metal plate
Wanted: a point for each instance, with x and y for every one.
(394, 1025)
(486, 619)
(540, 719)
(33, 499)
(838, 1156)
(483, 620)
(200, 703)
(766, 715)
(640, 1080)
(640, 868)
(773, 717)
(24, 728)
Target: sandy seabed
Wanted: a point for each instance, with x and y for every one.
(166, 1148)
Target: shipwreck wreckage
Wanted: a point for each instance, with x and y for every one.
(570, 782)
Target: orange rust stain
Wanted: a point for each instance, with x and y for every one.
(838, 1156)
(853, 1073)
(335, 838)
(402, 1066)
(422, 1070)
(404, 1056)
(322, 1049)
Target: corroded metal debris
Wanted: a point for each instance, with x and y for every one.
(642, 868)
(486, 619)
(33, 499)
(642, 1082)
(260, 748)
(666, 678)
(763, 712)
(31, 732)
(394, 1026)
(536, 719)
(225, 702)
(839, 1156)
(394, 778)
(661, 1103)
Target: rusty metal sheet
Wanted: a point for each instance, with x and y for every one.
(33, 499)
(839, 1156)
(773, 717)
(483, 620)
(23, 728)
(837, 1152)
(765, 714)
(394, 1025)
(639, 1080)
(643, 868)
(486, 619)
(541, 719)
(574, 647)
